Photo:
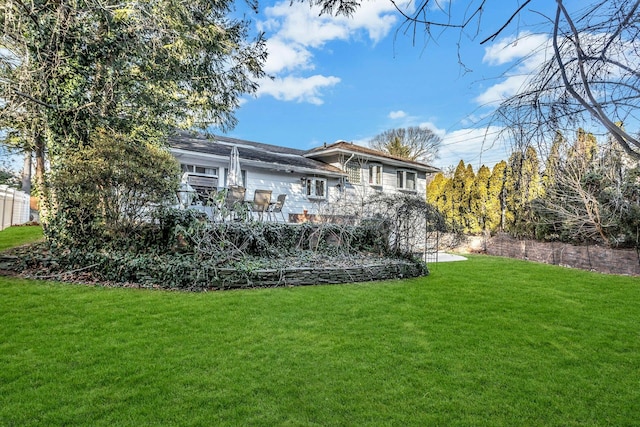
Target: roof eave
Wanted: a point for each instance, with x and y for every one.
(271, 166)
(389, 160)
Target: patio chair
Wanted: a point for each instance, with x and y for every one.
(276, 208)
(260, 204)
(234, 201)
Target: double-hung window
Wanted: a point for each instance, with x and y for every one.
(316, 188)
(375, 175)
(406, 180)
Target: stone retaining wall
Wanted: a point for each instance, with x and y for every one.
(231, 278)
(587, 257)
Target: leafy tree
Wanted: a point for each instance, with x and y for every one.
(413, 143)
(439, 194)
(553, 161)
(69, 68)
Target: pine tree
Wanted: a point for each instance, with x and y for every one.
(460, 196)
(522, 186)
(435, 188)
(495, 196)
(480, 199)
(439, 195)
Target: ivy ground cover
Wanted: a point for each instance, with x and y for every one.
(488, 341)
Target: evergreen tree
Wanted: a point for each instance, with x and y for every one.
(435, 188)
(479, 200)
(495, 196)
(553, 160)
(594, 195)
(460, 196)
(471, 221)
(395, 147)
(522, 186)
(439, 195)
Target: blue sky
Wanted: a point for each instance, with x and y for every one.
(350, 79)
(337, 78)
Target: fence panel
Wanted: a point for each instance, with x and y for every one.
(14, 207)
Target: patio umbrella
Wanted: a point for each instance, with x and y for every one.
(235, 175)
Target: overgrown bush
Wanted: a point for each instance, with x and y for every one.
(233, 240)
(107, 193)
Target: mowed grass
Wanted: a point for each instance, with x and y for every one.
(484, 342)
(15, 236)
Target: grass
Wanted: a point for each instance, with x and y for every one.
(485, 342)
(15, 236)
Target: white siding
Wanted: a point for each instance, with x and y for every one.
(291, 185)
(389, 183)
(281, 182)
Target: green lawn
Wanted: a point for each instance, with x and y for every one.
(14, 236)
(488, 341)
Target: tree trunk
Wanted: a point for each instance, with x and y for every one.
(41, 183)
(26, 172)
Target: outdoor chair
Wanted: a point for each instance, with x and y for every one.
(234, 202)
(260, 204)
(276, 208)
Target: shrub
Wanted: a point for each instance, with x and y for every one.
(110, 190)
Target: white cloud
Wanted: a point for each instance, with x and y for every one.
(285, 56)
(295, 30)
(527, 52)
(476, 146)
(397, 115)
(501, 91)
(299, 89)
(509, 49)
(435, 129)
(377, 17)
(298, 23)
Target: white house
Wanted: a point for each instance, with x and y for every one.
(312, 180)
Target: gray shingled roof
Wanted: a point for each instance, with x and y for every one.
(353, 148)
(283, 157)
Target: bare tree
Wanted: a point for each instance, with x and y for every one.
(591, 72)
(413, 143)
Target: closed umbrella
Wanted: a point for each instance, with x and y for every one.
(234, 178)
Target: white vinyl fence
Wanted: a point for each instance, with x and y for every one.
(14, 207)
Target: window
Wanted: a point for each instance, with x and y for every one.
(406, 180)
(199, 169)
(375, 175)
(316, 188)
(353, 173)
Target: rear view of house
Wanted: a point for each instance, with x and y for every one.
(312, 181)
